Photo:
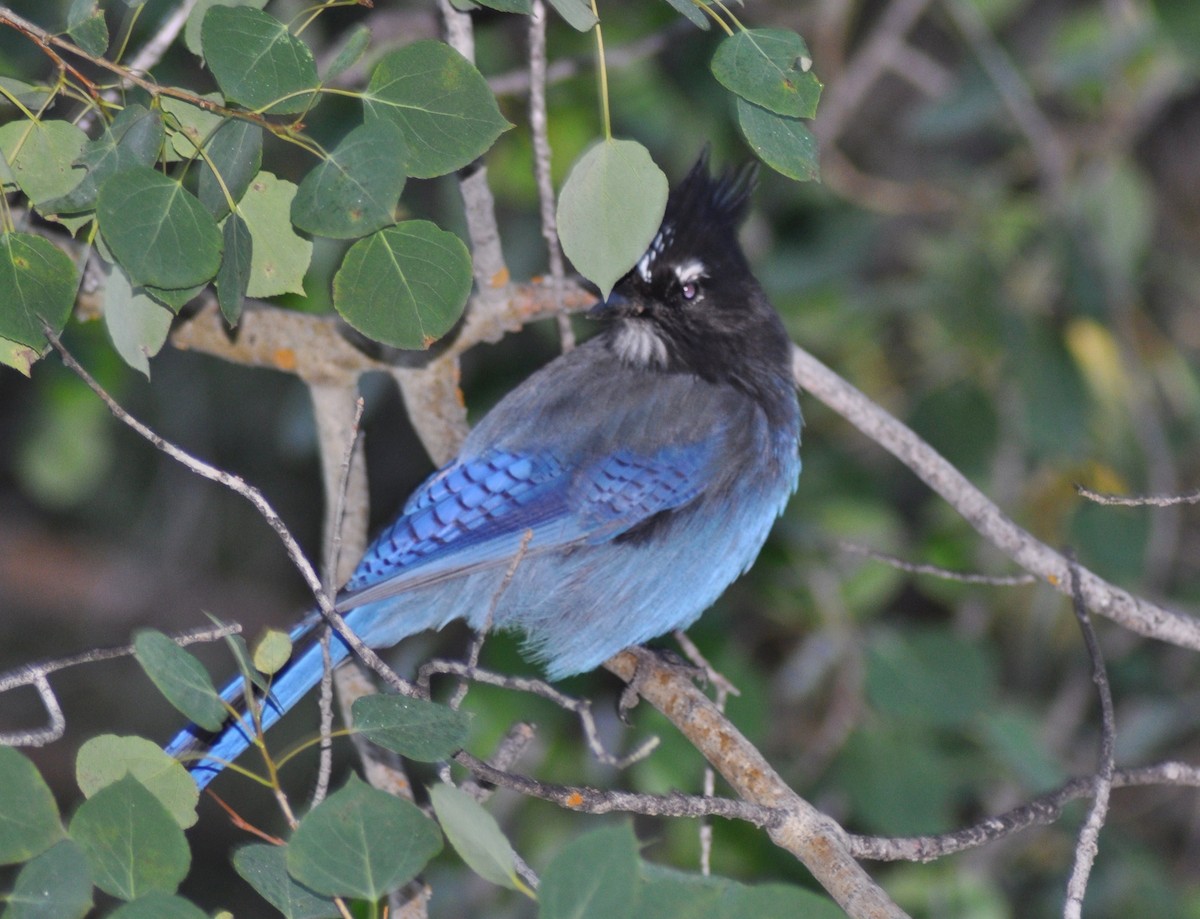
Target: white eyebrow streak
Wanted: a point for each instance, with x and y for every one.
(690, 271)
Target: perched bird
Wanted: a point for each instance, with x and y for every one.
(631, 479)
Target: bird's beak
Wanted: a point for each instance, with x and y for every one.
(616, 306)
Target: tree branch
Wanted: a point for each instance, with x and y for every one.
(1134, 613)
(1087, 847)
(1041, 811)
(815, 839)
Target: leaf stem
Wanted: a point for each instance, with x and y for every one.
(602, 72)
(728, 12)
(715, 18)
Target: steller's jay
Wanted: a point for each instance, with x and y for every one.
(632, 478)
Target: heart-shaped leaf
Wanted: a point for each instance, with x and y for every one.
(610, 208)
(406, 285)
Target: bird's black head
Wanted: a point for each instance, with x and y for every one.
(691, 304)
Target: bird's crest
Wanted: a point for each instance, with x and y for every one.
(701, 219)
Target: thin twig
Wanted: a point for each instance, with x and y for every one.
(460, 692)
(333, 573)
(539, 131)
(1191, 497)
(508, 751)
(1087, 847)
(254, 496)
(519, 82)
(964, 577)
(1051, 154)
(870, 62)
(587, 800)
(48, 42)
(581, 708)
(36, 674)
(724, 690)
(1041, 811)
(157, 46)
(325, 705)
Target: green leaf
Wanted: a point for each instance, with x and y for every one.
(173, 299)
(440, 102)
(69, 453)
(361, 842)
(256, 61)
(108, 758)
(1013, 737)
(353, 47)
(692, 12)
(476, 836)
(280, 257)
(180, 678)
(744, 902)
(193, 125)
(898, 781)
(241, 654)
(1118, 207)
(134, 139)
(86, 26)
(136, 324)
(425, 731)
(41, 156)
(355, 191)
(160, 233)
(934, 677)
(131, 842)
(610, 208)
(137, 134)
(29, 95)
(769, 67)
(784, 144)
(38, 280)
(159, 905)
(55, 885)
(593, 877)
(272, 651)
(404, 286)
(264, 867)
(669, 894)
(523, 7)
(29, 821)
(195, 21)
(236, 152)
(234, 276)
(576, 12)
(1180, 21)
(19, 357)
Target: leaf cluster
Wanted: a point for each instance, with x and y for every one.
(166, 188)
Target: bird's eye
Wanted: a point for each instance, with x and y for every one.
(689, 289)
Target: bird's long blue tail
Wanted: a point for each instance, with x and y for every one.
(301, 673)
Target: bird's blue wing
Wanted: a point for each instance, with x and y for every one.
(481, 512)
(469, 515)
(626, 490)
